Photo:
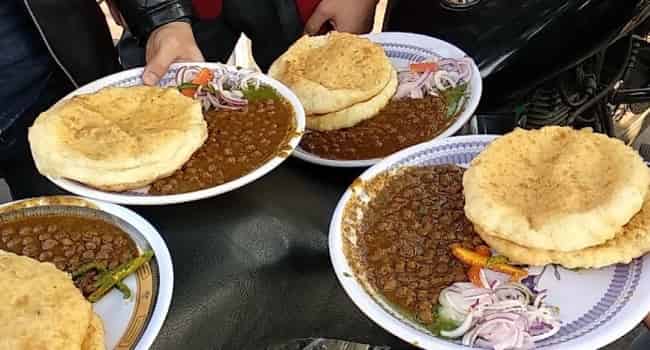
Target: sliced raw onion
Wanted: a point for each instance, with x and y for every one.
(462, 329)
(450, 73)
(224, 91)
(503, 316)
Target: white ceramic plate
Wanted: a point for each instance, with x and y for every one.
(597, 306)
(133, 323)
(403, 49)
(132, 77)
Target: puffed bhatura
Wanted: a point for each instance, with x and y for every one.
(118, 139)
(555, 188)
(332, 72)
(42, 308)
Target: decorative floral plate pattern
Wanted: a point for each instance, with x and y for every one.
(597, 306)
(403, 49)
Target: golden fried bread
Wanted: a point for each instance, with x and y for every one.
(95, 337)
(631, 242)
(331, 72)
(118, 138)
(555, 188)
(354, 114)
(41, 307)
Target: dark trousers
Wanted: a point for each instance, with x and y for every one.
(272, 26)
(15, 156)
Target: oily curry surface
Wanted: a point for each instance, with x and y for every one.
(405, 235)
(68, 242)
(239, 141)
(402, 123)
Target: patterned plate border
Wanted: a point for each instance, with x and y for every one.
(620, 290)
(148, 282)
(396, 51)
(621, 287)
(625, 277)
(393, 52)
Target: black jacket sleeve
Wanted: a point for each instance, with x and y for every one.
(144, 16)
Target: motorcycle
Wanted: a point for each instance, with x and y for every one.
(580, 63)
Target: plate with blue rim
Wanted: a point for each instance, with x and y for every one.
(597, 306)
(403, 49)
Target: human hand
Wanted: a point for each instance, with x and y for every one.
(172, 42)
(355, 16)
(647, 321)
